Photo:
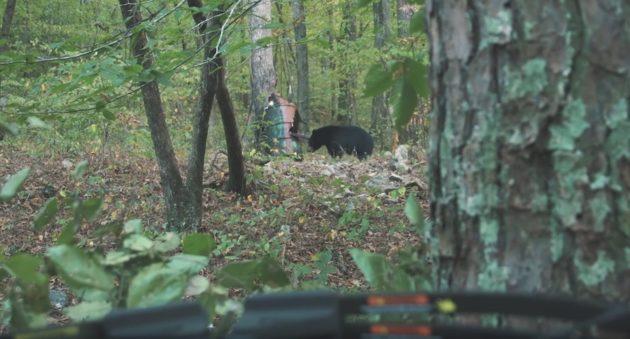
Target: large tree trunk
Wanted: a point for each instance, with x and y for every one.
(301, 54)
(175, 195)
(381, 122)
(263, 73)
(530, 149)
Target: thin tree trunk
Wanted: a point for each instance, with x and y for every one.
(403, 15)
(175, 195)
(380, 113)
(5, 32)
(207, 91)
(301, 51)
(7, 19)
(530, 145)
(263, 73)
(330, 65)
(347, 84)
(236, 165)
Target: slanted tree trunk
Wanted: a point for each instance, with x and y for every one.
(236, 182)
(381, 122)
(263, 73)
(176, 197)
(213, 84)
(530, 145)
(301, 54)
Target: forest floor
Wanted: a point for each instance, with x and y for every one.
(305, 213)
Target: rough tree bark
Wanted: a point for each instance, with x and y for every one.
(263, 73)
(177, 199)
(301, 55)
(530, 149)
(380, 119)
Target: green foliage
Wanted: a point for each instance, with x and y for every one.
(414, 213)
(383, 276)
(199, 244)
(253, 274)
(13, 184)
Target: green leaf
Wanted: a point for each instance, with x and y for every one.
(239, 275)
(78, 269)
(363, 3)
(381, 274)
(79, 169)
(9, 128)
(89, 208)
(45, 214)
(377, 80)
(166, 242)
(107, 114)
(13, 185)
(88, 310)
(271, 273)
(264, 41)
(69, 230)
(36, 122)
(414, 213)
(405, 103)
(113, 74)
(138, 243)
(199, 244)
(197, 285)
(373, 267)
(187, 264)
(155, 285)
(133, 226)
(273, 25)
(114, 258)
(416, 73)
(26, 268)
(249, 274)
(416, 24)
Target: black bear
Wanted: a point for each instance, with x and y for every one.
(337, 139)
